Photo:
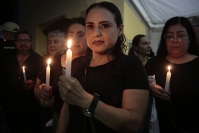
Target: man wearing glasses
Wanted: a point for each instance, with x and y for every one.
(195, 24)
(19, 104)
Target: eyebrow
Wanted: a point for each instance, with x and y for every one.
(99, 22)
(178, 31)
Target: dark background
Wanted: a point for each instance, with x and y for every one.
(9, 11)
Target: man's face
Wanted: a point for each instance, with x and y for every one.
(23, 44)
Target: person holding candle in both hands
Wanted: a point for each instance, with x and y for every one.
(109, 92)
(76, 29)
(176, 104)
(56, 47)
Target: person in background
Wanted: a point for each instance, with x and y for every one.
(141, 46)
(195, 24)
(176, 104)
(56, 43)
(105, 94)
(7, 45)
(56, 47)
(76, 32)
(19, 104)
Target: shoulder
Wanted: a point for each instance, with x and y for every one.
(35, 54)
(129, 58)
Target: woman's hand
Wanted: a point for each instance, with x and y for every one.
(72, 92)
(28, 85)
(44, 94)
(159, 92)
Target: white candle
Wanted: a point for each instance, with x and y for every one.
(68, 59)
(168, 79)
(24, 74)
(48, 73)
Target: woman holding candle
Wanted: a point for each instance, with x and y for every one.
(119, 80)
(76, 29)
(47, 74)
(176, 104)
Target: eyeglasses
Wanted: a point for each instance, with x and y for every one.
(179, 37)
(26, 41)
(78, 36)
(195, 25)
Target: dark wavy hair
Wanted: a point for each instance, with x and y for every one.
(120, 46)
(135, 41)
(192, 49)
(76, 20)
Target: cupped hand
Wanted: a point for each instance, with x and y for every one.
(28, 85)
(159, 92)
(44, 93)
(72, 92)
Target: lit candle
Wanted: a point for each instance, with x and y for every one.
(48, 73)
(24, 74)
(168, 79)
(68, 59)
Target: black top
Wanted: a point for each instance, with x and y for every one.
(7, 47)
(184, 88)
(129, 74)
(17, 101)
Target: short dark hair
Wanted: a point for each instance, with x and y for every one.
(23, 32)
(192, 49)
(120, 46)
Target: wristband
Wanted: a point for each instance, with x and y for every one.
(90, 111)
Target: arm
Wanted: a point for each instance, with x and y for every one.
(63, 119)
(126, 119)
(129, 117)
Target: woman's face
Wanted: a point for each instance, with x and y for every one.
(101, 30)
(55, 46)
(143, 46)
(177, 40)
(76, 32)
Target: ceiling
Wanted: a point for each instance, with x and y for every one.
(156, 12)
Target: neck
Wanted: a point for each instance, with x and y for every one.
(77, 55)
(98, 59)
(21, 58)
(181, 59)
(143, 58)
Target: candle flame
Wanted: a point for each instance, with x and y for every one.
(69, 43)
(169, 68)
(23, 67)
(49, 61)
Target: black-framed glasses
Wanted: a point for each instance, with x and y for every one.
(26, 41)
(179, 36)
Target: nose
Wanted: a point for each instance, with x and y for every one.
(97, 32)
(23, 42)
(76, 39)
(175, 39)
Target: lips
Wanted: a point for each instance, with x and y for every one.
(98, 42)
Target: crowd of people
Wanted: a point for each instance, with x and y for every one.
(107, 91)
